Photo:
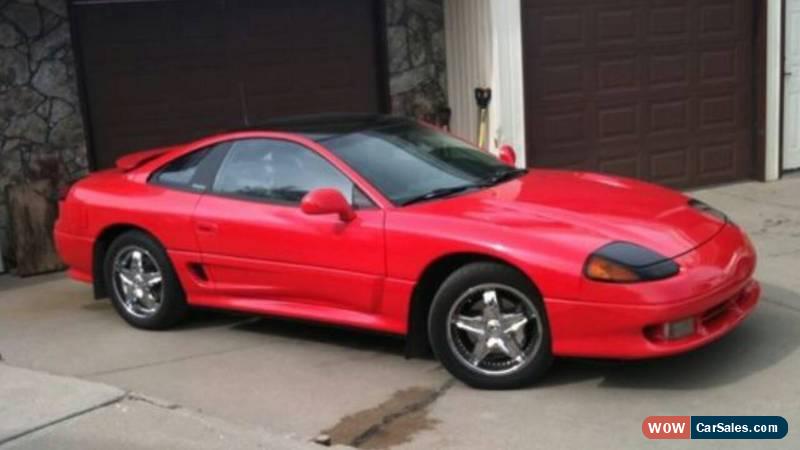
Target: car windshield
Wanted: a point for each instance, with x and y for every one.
(409, 162)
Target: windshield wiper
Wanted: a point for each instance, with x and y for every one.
(439, 193)
(505, 175)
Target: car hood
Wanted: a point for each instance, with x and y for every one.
(589, 204)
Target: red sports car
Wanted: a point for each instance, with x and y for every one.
(385, 224)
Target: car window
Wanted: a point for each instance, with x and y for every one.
(180, 172)
(193, 171)
(280, 172)
(407, 160)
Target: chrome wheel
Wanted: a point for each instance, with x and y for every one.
(138, 282)
(494, 329)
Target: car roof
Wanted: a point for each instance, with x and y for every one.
(321, 127)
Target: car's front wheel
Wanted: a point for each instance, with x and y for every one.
(489, 328)
(143, 285)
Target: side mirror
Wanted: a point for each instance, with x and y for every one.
(327, 201)
(507, 154)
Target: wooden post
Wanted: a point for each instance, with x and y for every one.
(33, 208)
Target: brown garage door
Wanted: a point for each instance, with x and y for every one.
(654, 89)
(157, 73)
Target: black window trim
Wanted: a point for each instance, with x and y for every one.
(231, 142)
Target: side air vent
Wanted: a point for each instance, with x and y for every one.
(198, 271)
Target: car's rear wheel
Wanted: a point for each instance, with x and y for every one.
(144, 288)
(489, 328)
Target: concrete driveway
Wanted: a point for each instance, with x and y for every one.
(302, 380)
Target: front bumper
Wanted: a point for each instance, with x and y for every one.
(715, 288)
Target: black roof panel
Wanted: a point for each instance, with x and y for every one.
(320, 127)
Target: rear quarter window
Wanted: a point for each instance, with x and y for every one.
(194, 171)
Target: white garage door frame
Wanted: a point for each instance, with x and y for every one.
(791, 87)
(772, 160)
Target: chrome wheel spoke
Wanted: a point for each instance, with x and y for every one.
(148, 301)
(481, 351)
(130, 297)
(491, 308)
(472, 325)
(514, 322)
(126, 276)
(152, 279)
(511, 348)
(136, 262)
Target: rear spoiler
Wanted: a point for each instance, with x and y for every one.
(134, 160)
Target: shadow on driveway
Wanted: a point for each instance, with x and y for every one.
(329, 335)
(763, 340)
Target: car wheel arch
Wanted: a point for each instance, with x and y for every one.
(101, 246)
(428, 283)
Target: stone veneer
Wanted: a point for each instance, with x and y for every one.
(41, 133)
(415, 35)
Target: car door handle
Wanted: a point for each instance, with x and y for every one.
(207, 227)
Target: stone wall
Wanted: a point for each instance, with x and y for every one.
(417, 66)
(41, 133)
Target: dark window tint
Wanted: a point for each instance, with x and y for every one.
(278, 171)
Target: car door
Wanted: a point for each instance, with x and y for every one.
(258, 246)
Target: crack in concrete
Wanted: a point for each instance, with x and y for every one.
(66, 418)
(159, 403)
(390, 423)
(101, 373)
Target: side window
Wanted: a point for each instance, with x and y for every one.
(180, 172)
(195, 171)
(279, 171)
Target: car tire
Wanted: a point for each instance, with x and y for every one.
(142, 283)
(479, 309)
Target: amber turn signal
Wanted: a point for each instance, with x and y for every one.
(601, 269)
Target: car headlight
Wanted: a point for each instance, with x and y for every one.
(623, 262)
(705, 208)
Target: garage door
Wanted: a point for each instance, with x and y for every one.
(654, 89)
(157, 73)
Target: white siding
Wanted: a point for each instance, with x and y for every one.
(468, 36)
(508, 108)
(484, 48)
